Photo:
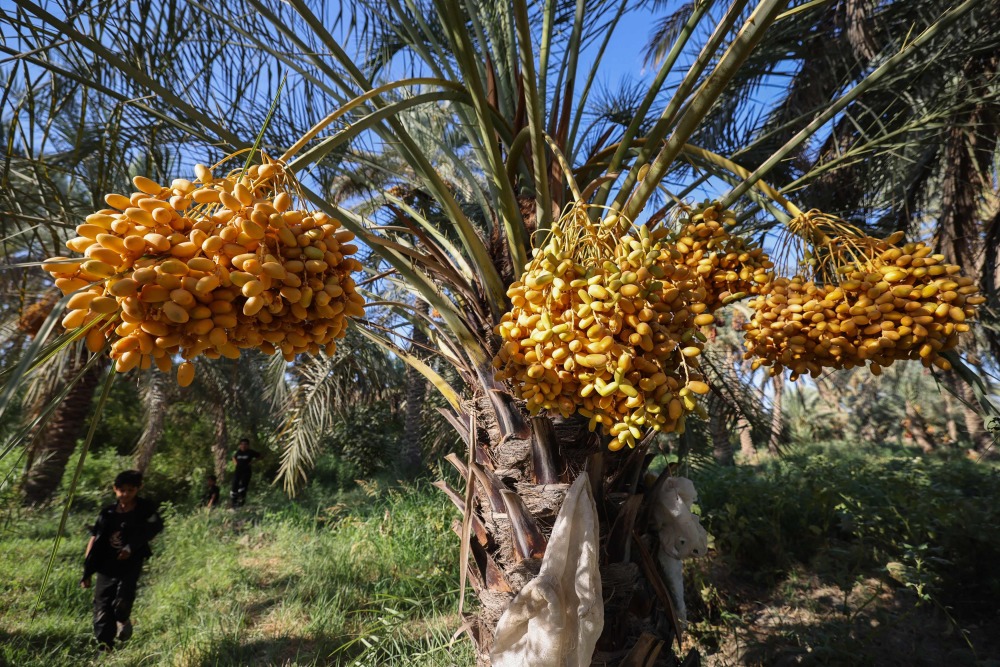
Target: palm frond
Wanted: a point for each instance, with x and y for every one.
(318, 389)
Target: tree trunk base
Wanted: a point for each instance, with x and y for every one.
(515, 505)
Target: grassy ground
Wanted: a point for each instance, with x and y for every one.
(372, 584)
(827, 556)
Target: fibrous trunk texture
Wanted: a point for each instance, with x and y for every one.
(980, 437)
(777, 417)
(53, 445)
(722, 446)
(411, 458)
(747, 449)
(220, 449)
(154, 399)
(521, 470)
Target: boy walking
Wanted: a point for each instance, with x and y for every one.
(118, 546)
(242, 459)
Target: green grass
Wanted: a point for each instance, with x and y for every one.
(371, 581)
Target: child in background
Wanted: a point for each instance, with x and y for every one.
(118, 546)
(242, 460)
(210, 498)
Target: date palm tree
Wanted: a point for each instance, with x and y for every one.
(514, 80)
(40, 194)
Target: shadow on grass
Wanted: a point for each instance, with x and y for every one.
(50, 648)
(271, 651)
(43, 647)
(328, 651)
(904, 640)
(804, 621)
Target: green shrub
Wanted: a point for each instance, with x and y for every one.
(927, 524)
(365, 440)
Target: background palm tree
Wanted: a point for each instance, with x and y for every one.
(411, 456)
(313, 393)
(156, 392)
(41, 194)
(68, 390)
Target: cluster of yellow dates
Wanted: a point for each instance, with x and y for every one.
(731, 268)
(607, 325)
(209, 268)
(901, 303)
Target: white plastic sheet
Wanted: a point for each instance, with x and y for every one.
(681, 535)
(556, 619)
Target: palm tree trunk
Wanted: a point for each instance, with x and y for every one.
(917, 428)
(777, 418)
(828, 393)
(978, 435)
(747, 449)
(951, 426)
(722, 447)
(220, 447)
(154, 398)
(411, 455)
(52, 447)
(521, 470)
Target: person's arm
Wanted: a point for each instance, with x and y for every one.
(152, 525)
(88, 562)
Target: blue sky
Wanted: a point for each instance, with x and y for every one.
(625, 51)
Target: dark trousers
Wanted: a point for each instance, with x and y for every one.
(113, 598)
(238, 494)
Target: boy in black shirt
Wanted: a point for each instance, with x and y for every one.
(119, 544)
(210, 498)
(242, 459)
